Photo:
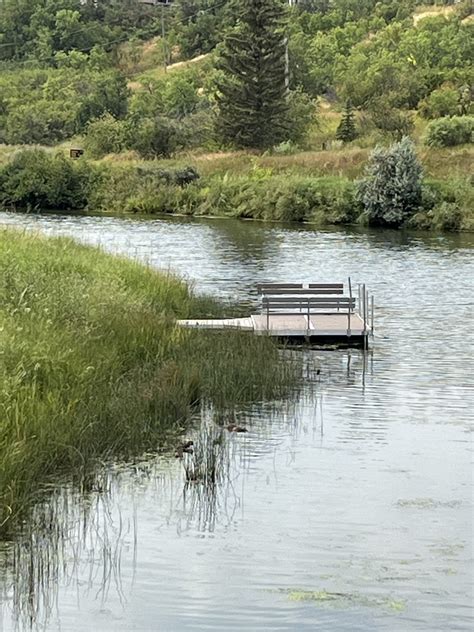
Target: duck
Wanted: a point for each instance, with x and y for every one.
(235, 428)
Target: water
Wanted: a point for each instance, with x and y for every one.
(348, 509)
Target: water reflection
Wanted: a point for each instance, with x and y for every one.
(361, 486)
(86, 541)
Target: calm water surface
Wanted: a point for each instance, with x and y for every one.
(347, 509)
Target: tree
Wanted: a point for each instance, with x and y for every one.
(346, 130)
(391, 191)
(252, 92)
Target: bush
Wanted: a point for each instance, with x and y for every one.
(391, 193)
(153, 138)
(447, 205)
(105, 135)
(448, 132)
(148, 189)
(36, 179)
(441, 102)
(397, 123)
(302, 112)
(43, 122)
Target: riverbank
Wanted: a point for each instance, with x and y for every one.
(93, 366)
(297, 188)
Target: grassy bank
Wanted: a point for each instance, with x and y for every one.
(315, 187)
(92, 364)
(448, 204)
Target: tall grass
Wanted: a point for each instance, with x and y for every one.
(93, 365)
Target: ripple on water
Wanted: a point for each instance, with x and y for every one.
(361, 487)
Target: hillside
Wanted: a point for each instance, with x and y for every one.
(103, 77)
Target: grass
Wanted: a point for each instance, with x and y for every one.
(347, 161)
(93, 366)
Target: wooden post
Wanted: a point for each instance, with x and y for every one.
(358, 301)
(268, 316)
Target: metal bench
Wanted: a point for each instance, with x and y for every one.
(289, 289)
(306, 299)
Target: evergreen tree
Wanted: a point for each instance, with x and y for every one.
(252, 91)
(346, 130)
(392, 189)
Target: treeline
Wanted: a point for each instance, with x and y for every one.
(376, 55)
(65, 65)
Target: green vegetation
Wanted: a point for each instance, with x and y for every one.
(391, 192)
(92, 364)
(251, 91)
(36, 179)
(361, 74)
(346, 130)
(446, 132)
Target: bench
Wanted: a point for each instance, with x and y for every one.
(290, 289)
(306, 299)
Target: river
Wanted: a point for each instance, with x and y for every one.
(347, 509)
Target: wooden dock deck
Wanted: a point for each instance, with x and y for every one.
(318, 314)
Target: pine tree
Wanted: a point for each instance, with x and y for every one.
(346, 130)
(252, 91)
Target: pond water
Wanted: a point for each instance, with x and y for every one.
(349, 508)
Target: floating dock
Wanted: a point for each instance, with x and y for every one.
(305, 313)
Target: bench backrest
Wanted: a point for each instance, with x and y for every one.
(306, 304)
(297, 289)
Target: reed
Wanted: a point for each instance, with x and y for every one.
(93, 365)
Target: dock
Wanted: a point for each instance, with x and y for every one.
(316, 313)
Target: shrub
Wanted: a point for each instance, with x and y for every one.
(441, 102)
(448, 132)
(43, 122)
(105, 135)
(390, 120)
(391, 192)
(153, 138)
(447, 205)
(302, 112)
(36, 179)
(292, 199)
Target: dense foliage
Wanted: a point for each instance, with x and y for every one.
(252, 90)
(450, 131)
(64, 63)
(391, 192)
(36, 179)
(46, 106)
(362, 71)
